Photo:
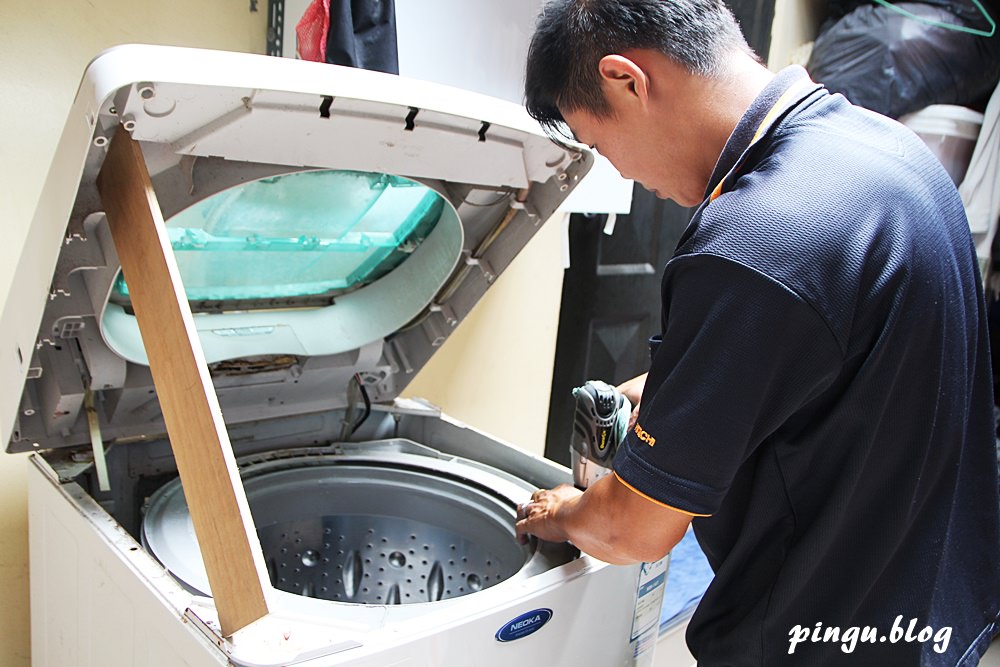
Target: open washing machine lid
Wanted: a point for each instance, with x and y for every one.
(329, 223)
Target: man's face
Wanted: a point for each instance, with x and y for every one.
(638, 153)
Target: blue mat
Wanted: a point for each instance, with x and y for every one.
(687, 580)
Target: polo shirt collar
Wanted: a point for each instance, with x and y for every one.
(741, 137)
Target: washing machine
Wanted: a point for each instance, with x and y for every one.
(330, 228)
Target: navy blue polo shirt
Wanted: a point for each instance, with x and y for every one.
(821, 400)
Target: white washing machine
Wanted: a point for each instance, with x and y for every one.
(331, 226)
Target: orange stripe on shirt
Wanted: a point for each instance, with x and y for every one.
(654, 500)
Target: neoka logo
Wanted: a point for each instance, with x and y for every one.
(523, 625)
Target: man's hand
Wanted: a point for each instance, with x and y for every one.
(632, 390)
(540, 516)
(608, 521)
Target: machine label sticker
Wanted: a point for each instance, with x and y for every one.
(523, 625)
(649, 599)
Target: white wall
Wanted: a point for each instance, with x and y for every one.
(795, 23)
(478, 46)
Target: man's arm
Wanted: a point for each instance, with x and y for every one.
(609, 521)
(632, 389)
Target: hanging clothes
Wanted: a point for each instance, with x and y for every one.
(980, 190)
(362, 33)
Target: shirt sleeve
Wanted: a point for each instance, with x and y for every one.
(740, 353)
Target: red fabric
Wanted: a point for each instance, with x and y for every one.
(311, 31)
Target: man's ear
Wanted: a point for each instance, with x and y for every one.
(623, 79)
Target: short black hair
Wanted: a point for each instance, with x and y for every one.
(571, 37)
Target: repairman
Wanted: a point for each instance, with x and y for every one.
(819, 403)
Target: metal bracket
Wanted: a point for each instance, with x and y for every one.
(436, 332)
(398, 359)
(484, 266)
(275, 27)
(533, 216)
(447, 312)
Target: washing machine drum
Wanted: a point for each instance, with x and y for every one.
(391, 530)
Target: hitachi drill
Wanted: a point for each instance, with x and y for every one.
(599, 426)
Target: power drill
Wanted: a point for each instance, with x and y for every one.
(600, 423)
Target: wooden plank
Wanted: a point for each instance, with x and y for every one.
(215, 495)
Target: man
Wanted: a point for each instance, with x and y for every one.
(819, 402)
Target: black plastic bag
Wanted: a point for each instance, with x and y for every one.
(893, 64)
(964, 9)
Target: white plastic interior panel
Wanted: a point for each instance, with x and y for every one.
(278, 127)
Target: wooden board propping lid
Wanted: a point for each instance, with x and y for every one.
(215, 495)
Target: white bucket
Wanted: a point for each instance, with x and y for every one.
(950, 132)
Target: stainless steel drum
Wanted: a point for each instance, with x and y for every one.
(383, 523)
